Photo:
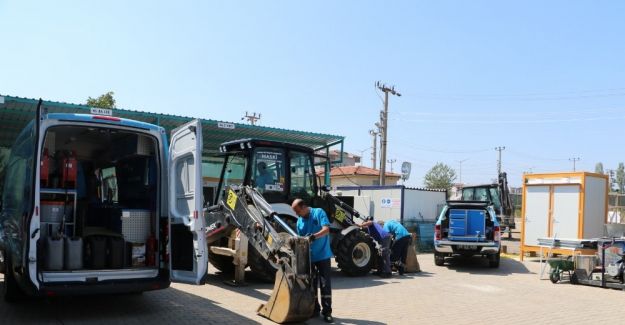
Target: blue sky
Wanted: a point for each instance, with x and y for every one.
(544, 79)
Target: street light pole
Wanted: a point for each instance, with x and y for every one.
(460, 162)
(384, 128)
(500, 149)
(252, 119)
(574, 160)
(374, 154)
(392, 161)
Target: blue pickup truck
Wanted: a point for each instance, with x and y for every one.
(467, 228)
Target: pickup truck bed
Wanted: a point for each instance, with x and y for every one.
(467, 225)
(467, 229)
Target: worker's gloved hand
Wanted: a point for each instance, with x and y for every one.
(311, 238)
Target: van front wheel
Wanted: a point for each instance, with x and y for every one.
(10, 289)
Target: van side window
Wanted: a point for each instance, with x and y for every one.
(18, 181)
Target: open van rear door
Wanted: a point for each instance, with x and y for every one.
(187, 244)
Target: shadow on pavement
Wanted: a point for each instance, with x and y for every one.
(342, 281)
(167, 306)
(345, 321)
(477, 265)
(249, 289)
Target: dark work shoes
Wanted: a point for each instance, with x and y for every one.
(328, 319)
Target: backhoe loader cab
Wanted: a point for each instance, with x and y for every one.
(282, 172)
(100, 204)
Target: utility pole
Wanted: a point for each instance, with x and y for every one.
(391, 161)
(374, 153)
(384, 127)
(252, 119)
(574, 160)
(500, 149)
(460, 162)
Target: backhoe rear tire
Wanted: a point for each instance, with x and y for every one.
(355, 253)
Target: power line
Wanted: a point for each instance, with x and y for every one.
(442, 150)
(535, 157)
(546, 96)
(515, 121)
(489, 113)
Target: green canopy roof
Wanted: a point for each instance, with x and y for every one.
(16, 112)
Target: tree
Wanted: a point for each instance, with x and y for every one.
(440, 176)
(620, 177)
(104, 101)
(599, 168)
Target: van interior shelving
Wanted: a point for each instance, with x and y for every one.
(98, 199)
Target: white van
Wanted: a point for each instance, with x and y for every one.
(99, 204)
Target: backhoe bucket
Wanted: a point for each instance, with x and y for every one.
(291, 300)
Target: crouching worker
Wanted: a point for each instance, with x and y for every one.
(384, 240)
(314, 223)
(399, 249)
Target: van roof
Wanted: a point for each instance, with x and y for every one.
(101, 119)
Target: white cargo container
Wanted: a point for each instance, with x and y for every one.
(563, 205)
(395, 202)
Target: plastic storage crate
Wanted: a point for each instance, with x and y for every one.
(136, 225)
(425, 237)
(53, 211)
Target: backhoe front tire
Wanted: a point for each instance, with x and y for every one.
(262, 270)
(355, 253)
(222, 263)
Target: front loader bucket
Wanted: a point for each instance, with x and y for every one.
(291, 300)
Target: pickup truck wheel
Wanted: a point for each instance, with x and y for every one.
(439, 260)
(493, 260)
(10, 289)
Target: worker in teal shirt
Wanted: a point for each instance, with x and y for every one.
(314, 223)
(401, 241)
